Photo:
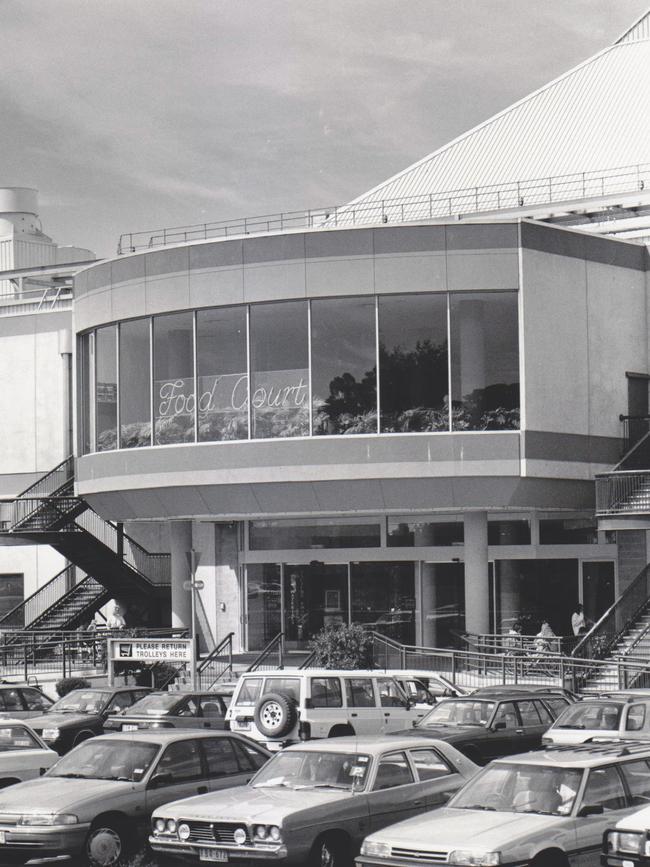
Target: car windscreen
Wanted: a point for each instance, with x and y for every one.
(156, 703)
(459, 713)
(298, 769)
(112, 759)
(17, 738)
(81, 701)
(521, 788)
(598, 716)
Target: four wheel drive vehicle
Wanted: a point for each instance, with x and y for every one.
(629, 842)
(486, 728)
(280, 708)
(81, 714)
(23, 755)
(543, 809)
(97, 800)
(313, 803)
(602, 718)
(19, 702)
(166, 710)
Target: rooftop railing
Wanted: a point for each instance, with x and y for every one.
(426, 206)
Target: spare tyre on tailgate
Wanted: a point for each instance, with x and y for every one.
(275, 715)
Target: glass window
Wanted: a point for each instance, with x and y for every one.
(443, 604)
(321, 533)
(599, 716)
(289, 686)
(383, 598)
(222, 370)
(183, 761)
(85, 373)
(528, 713)
(17, 738)
(568, 531)
(326, 692)
(637, 777)
(343, 373)
(263, 603)
(604, 788)
(106, 388)
(408, 533)
(10, 700)
(413, 373)
(135, 386)
(597, 587)
(250, 758)
(507, 714)
(393, 770)
(390, 695)
(544, 713)
(315, 595)
(556, 705)
(249, 691)
(220, 757)
(484, 361)
(359, 692)
(188, 708)
(279, 369)
(120, 701)
(173, 388)
(531, 591)
(429, 765)
(635, 718)
(212, 707)
(35, 701)
(508, 532)
(463, 712)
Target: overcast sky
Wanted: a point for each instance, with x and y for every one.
(136, 114)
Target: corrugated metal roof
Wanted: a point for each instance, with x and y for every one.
(594, 117)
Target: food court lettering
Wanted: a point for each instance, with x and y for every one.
(274, 389)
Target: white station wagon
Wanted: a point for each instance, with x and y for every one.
(23, 755)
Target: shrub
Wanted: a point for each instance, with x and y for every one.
(342, 647)
(67, 684)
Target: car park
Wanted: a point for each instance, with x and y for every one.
(23, 755)
(619, 716)
(81, 714)
(98, 799)
(530, 687)
(184, 709)
(628, 843)
(545, 809)
(280, 708)
(21, 702)
(490, 727)
(314, 802)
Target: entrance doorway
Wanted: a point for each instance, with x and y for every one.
(315, 595)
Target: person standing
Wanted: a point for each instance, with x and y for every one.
(578, 622)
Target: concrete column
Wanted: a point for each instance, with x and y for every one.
(180, 533)
(424, 536)
(227, 586)
(477, 593)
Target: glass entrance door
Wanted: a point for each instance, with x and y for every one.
(315, 595)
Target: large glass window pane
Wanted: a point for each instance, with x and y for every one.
(408, 532)
(135, 385)
(568, 531)
(263, 603)
(221, 355)
(413, 372)
(106, 388)
(383, 598)
(173, 391)
(443, 604)
(597, 588)
(509, 532)
(531, 591)
(343, 359)
(317, 533)
(315, 595)
(85, 374)
(280, 369)
(484, 361)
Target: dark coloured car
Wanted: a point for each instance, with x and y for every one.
(81, 714)
(485, 728)
(18, 702)
(498, 690)
(164, 710)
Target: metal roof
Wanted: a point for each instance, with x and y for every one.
(595, 115)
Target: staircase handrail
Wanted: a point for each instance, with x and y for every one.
(630, 452)
(613, 623)
(276, 643)
(66, 463)
(226, 641)
(307, 663)
(41, 591)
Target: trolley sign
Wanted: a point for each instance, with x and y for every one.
(149, 650)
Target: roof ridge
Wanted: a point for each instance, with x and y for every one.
(637, 31)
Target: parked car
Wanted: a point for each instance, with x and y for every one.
(81, 714)
(173, 710)
(487, 728)
(97, 800)
(628, 843)
(23, 754)
(19, 702)
(425, 687)
(544, 809)
(314, 802)
(527, 687)
(623, 716)
(277, 709)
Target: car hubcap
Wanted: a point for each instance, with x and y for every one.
(271, 715)
(104, 847)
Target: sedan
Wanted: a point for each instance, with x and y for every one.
(165, 710)
(81, 714)
(18, 702)
(313, 802)
(23, 754)
(97, 800)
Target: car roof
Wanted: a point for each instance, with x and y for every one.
(373, 744)
(321, 672)
(580, 755)
(106, 688)
(506, 695)
(165, 736)
(184, 693)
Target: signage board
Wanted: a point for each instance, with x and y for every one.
(150, 650)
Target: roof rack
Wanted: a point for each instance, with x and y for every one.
(603, 748)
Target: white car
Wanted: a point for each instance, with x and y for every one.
(23, 755)
(628, 844)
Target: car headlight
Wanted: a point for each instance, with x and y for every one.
(47, 819)
(163, 826)
(159, 826)
(184, 831)
(375, 848)
(239, 836)
(51, 734)
(627, 842)
(474, 859)
(261, 832)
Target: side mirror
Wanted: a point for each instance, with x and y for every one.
(410, 702)
(498, 727)
(162, 779)
(591, 810)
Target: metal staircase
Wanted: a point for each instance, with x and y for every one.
(106, 561)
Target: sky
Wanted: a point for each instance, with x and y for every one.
(130, 115)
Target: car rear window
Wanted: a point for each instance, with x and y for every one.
(286, 685)
(155, 704)
(249, 691)
(604, 716)
(17, 738)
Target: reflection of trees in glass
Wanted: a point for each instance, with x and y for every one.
(495, 407)
(287, 421)
(219, 426)
(414, 384)
(350, 408)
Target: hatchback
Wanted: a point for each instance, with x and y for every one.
(621, 716)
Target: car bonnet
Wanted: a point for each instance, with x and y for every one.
(61, 720)
(58, 794)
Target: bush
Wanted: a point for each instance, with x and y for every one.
(67, 684)
(342, 647)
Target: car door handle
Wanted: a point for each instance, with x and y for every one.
(418, 803)
(387, 714)
(202, 790)
(354, 714)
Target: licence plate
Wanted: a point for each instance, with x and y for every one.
(213, 855)
(129, 727)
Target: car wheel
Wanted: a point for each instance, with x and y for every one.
(105, 844)
(81, 737)
(329, 851)
(275, 715)
(550, 859)
(340, 731)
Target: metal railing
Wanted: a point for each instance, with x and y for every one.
(31, 609)
(57, 478)
(500, 643)
(469, 200)
(43, 514)
(217, 664)
(623, 492)
(263, 660)
(635, 429)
